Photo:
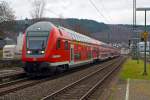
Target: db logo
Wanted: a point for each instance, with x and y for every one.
(34, 59)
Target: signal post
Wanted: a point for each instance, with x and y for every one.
(145, 37)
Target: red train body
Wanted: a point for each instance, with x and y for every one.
(48, 48)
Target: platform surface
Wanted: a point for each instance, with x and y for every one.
(131, 90)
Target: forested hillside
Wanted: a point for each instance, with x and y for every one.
(98, 30)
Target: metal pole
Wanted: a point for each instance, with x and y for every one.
(137, 52)
(133, 51)
(149, 49)
(145, 34)
(145, 21)
(108, 37)
(145, 71)
(133, 13)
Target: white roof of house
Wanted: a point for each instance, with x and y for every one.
(143, 43)
(9, 46)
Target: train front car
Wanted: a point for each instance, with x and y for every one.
(38, 42)
(47, 48)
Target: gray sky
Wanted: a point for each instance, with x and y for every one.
(113, 11)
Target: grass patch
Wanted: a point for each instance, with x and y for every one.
(133, 70)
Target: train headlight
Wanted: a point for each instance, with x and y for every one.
(42, 52)
(28, 52)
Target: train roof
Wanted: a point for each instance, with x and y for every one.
(42, 26)
(80, 37)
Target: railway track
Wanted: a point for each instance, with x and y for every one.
(11, 76)
(84, 87)
(6, 84)
(10, 63)
(19, 84)
(25, 82)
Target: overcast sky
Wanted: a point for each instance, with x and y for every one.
(112, 11)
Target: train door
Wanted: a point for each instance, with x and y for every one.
(71, 54)
(97, 53)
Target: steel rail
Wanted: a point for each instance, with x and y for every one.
(84, 97)
(52, 96)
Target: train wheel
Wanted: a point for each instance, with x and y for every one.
(66, 67)
(62, 68)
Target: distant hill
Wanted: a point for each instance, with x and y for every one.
(97, 30)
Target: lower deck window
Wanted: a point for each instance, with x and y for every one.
(77, 56)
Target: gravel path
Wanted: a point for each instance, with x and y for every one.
(7, 72)
(10, 74)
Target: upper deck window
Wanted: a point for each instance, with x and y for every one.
(38, 34)
(60, 31)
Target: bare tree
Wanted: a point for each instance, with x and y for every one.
(38, 8)
(5, 11)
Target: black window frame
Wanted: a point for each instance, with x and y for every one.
(66, 45)
(58, 44)
(27, 37)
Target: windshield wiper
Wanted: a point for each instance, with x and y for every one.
(43, 44)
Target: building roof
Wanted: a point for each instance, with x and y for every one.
(9, 46)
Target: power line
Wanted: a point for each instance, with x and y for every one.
(53, 12)
(105, 9)
(99, 12)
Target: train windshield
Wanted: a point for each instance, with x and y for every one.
(37, 40)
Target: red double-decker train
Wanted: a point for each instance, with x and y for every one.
(47, 48)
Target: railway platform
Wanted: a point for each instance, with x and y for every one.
(132, 84)
(131, 89)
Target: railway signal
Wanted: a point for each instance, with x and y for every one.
(129, 43)
(145, 36)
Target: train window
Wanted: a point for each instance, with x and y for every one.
(95, 49)
(77, 56)
(74, 37)
(77, 46)
(58, 44)
(78, 37)
(66, 45)
(60, 32)
(89, 55)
